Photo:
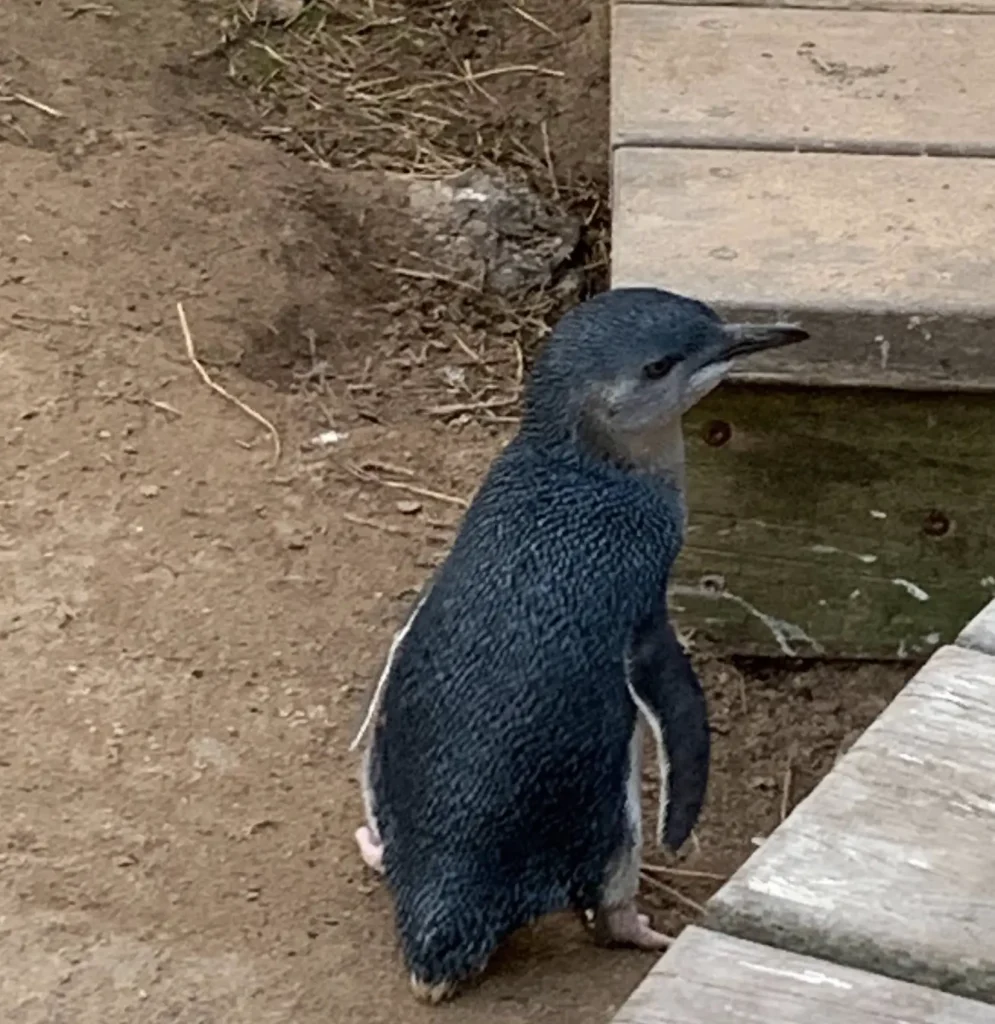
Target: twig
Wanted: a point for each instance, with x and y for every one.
(466, 348)
(487, 403)
(786, 791)
(711, 876)
(532, 19)
(206, 378)
(100, 10)
(37, 105)
(512, 69)
(164, 407)
(675, 893)
(387, 467)
(519, 363)
(397, 485)
(376, 525)
(424, 492)
(424, 275)
(55, 321)
(547, 151)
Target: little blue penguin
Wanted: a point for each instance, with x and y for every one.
(501, 774)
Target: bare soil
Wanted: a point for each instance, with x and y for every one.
(187, 629)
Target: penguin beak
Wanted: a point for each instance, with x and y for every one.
(735, 341)
(744, 339)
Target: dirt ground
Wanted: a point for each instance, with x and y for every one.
(188, 629)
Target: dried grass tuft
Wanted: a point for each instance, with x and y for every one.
(400, 86)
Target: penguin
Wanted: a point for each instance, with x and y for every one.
(502, 761)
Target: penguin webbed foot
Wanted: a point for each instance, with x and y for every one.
(370, 848)
(624, 926)
(432, 994)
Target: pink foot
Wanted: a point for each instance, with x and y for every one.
(625, 926)
(370, 848)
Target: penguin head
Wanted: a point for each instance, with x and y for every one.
(626, 364)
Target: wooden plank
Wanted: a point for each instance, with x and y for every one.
(885, 259)
(979, 633)
(800, 79)
(858, 519)
(887, 866)
(895, 6)
(706, 978)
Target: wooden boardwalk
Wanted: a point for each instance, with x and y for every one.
(831, 161)
(874, 901)
(834, 162)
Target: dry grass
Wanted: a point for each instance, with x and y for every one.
(424, 88)
(391, 84)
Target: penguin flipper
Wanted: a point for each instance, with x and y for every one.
(374, 694)
(669, 696)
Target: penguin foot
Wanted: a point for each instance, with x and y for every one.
(370, 848)
(625, 926)
(432, 994)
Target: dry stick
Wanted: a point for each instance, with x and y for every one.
(376, 525)
(512, 69)
(19, 97)
(100, 10)
(533, 19)
(487, 403)
(424, 492)
(387, 467)
(547, 151)
(466, 348)
(711, 876)
(397, 485)
(786, 791)
(206, 378)
(676, 893)
(424, 275)
(519, 362)
(164, 407)
(55, 321)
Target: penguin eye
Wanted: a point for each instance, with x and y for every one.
(654, 371)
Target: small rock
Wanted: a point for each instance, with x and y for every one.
(150, 490)
(408, 507)
(279, 10)
(498, 231)
(325, 438)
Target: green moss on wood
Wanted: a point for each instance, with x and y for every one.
(819, 501)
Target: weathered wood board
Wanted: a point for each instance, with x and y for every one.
(847, 81)
(707, 978)
(897, 6)
(849, 523)
(886, 260)
(888, 865)
(979, 633)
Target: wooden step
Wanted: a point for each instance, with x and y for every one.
(761, 162)
(888, 865)
(751, 78)
(707, 978)
(886, 260)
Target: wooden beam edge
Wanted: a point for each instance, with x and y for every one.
(979, 634)
(794, 928)
(964, 7)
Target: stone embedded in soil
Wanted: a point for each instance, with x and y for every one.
(503, 234)
(279, 11)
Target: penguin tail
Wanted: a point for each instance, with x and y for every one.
(448, 932)
(668, 694)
